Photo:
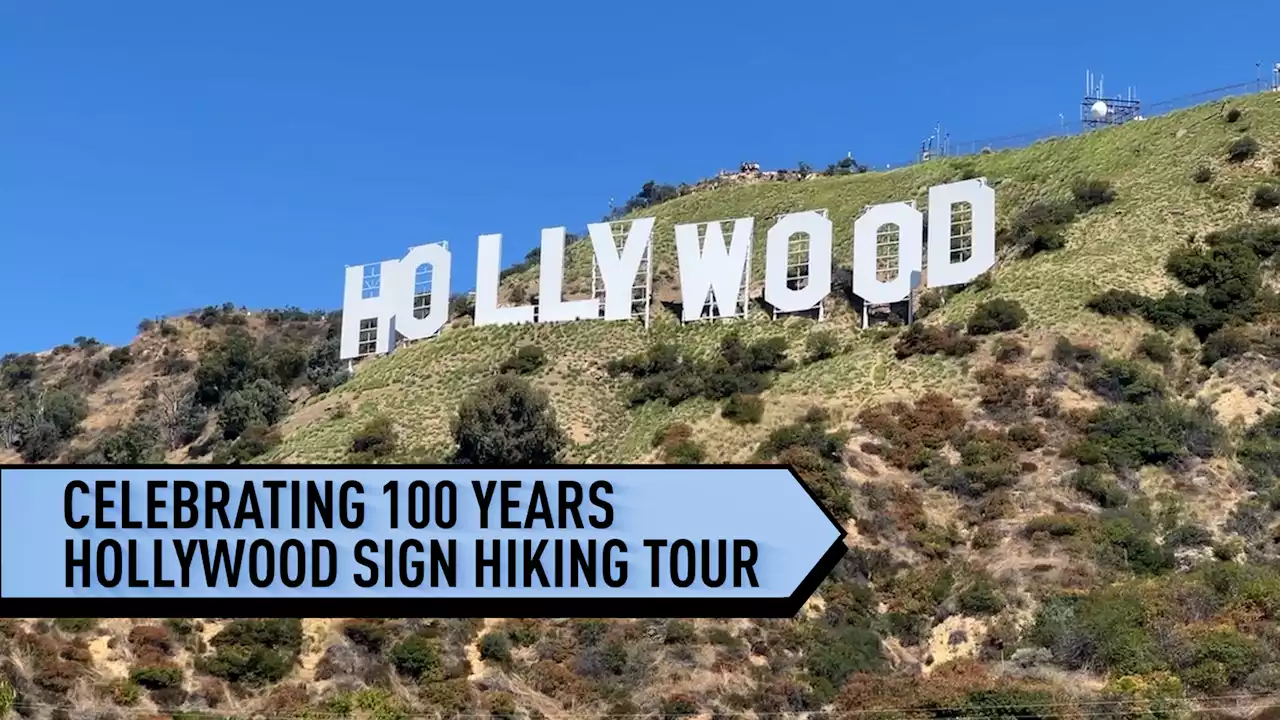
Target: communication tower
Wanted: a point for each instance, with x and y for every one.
(936, 145)
(641, 288)
(1098, 110)
(798, 268)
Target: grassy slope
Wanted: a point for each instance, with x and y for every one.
(1121, 245)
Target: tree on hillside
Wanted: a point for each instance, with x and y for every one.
(505, 421)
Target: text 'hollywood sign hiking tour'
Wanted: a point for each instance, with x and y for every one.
(386, 299)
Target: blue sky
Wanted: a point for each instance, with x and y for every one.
(157, 156)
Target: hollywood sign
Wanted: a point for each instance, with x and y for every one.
(409, 297)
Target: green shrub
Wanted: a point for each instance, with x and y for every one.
(927, 303)
(1040, 227)
(1127, 539)
(1100, 487)
(677, 446)
(261, 402)
(987, 462)
(1156, 347)
(817, 456)
(527, 360)
(523, 633)
(123, 692)
(1261, 238)
(743, 409)
(254, 652)
(1124, 381)
(376, 440)
(1225, 343)
(157, 677)
(138, 443)
(495, 646)
(996, 315)
(1242, 149)
(505, 421)
(1090, 194)
(685, 452)
(1222, 659)
(678, 706)
(1259, 452)
(1266, 197)
(920, 339)
(1057, 525)
(1007, 350)
(821, 344)
(1027, 436)
(1118, 303)
(417, 657)
(663, 373)
(1127, 437)
(679, 632)
(75, 625)
(1188, 536)
(839, 654)
(1202, 175)
(368, 634)
(980, 598)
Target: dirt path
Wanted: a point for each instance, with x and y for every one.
(478, 669)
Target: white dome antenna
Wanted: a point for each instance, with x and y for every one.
(1097, 109)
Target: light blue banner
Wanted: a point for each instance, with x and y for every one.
(781, 533)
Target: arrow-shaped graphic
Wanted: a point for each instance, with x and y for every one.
(441, 541)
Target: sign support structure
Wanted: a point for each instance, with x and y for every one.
(641, 289)
(798, 269)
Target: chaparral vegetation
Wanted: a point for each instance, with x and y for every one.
(1061, 481)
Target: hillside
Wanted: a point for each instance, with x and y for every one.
(1061, 485)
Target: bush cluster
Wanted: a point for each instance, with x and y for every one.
(1158, 432)
(37, 419)
(1242, 149)
(527, 360)
(996, 315)
(376, 440)
(1040, 227)
(664, 373)
(821, 345)
(1138, 628)
(1003, 394)
(743, 409)
(1225, 275)
(1266, 197)
(988, 461)
(912, 434)
(506, 421)
(676, 445)
(254, 652)
(921, 339)
(817, 455)
(1091, 193)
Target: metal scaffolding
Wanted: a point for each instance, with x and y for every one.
(642, 286)
(711, 308)
(798, 267)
